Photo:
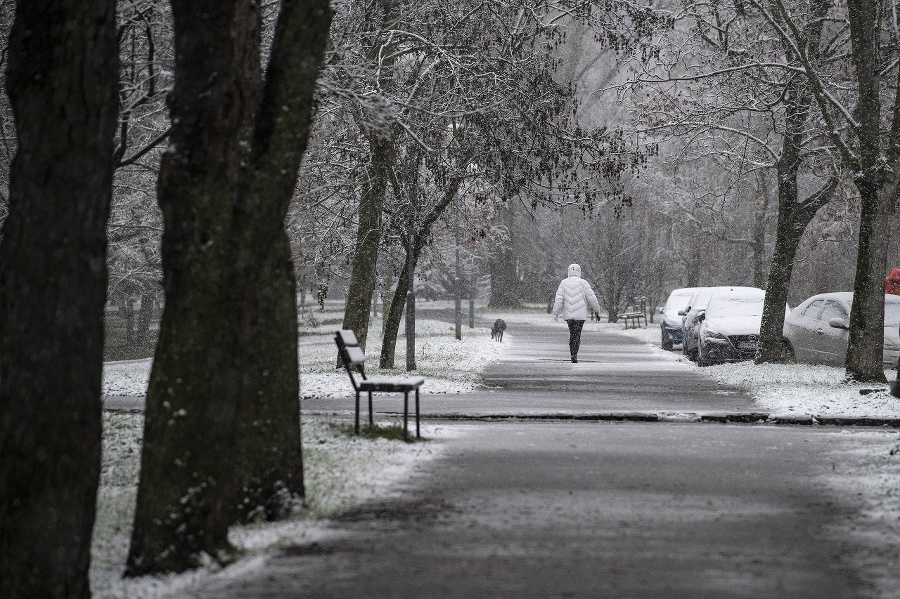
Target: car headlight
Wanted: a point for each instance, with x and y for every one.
(714, 336)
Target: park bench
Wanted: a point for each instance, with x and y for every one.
(353, 358)
(634, 318)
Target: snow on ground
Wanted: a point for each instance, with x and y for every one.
(788, 389)
(870, 472)
(341, 470)
(448, 365)
(868, 476)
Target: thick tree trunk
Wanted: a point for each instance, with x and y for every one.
(62, 81)
(793, 216)
(866, 343)
(269, 453)
(227, 348)
(363, 275)
(787, 239)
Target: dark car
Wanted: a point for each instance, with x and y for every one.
(672, 312)
(729, 326)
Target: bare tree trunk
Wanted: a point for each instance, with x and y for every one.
(787, 240)
(793, 215)
(225, 380)
(395, 315)
(368, 237)
(866, 343)
(269, 455)
(63, 81)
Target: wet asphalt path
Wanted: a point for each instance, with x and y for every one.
(553, 509)
(615, 374)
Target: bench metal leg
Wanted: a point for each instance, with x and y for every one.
(357, 412)
(371, 417)
(405, 415)
(418, 436)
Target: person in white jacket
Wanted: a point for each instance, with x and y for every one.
(572, 299)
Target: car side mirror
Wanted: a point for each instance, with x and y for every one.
(839, 323)
(661, 311)
(701, 316)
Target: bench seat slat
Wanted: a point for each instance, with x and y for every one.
(394, 383)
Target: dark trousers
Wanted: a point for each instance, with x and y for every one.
(575, 327)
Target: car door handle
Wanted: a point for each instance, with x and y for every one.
(820, 331)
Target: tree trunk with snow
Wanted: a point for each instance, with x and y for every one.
(793, 215)
(222, 436)
(866, 342)
(363, 276)
(62, 80)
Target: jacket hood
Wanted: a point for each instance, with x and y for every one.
(574, 270)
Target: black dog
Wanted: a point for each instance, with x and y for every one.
(497, 330)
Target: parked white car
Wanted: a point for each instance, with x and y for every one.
(690, 326)
(729, 326)
(817, 330)
(672, 312)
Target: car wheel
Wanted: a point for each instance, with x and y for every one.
(666, 342)
(701, 361)
(787, 352)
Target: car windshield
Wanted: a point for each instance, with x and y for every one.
(727, 306)
(677, 303)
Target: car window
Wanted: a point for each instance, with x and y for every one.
(832, 310)
(813, 310)
(677, 303)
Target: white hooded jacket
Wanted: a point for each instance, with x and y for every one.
(574, 295)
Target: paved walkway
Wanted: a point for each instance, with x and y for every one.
(588, 510)
(548, 509)
(615, 375)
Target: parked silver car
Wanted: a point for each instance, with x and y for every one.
(672, 312)
(729, 326)
(817, 330)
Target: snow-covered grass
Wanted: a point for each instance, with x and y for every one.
(789, 389)
(448, 365)
(341, 470)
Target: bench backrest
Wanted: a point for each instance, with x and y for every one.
(351, 354)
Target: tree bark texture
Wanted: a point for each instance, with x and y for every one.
(794, 215)
(363, 275)
(62, 80)
(398, 303)
(866, 342)
(222, 432)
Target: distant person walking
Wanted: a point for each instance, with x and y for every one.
(572, 299)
